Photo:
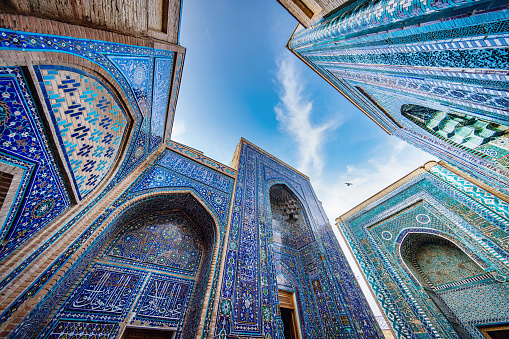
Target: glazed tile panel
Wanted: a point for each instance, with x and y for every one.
(23, 144)
(365, 15)
(83, 330)
(162, 82)
(90, 124)
(105, 293)
(137, 71)
(196, 171)
(164, 300)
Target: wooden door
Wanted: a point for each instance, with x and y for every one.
(141, 333)
(289, 314)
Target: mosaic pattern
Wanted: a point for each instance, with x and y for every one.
(159, 177)
(91, 126)
(164, 301)
(148, 290)
(428, 233)
(23, 144)
(163, 241)
(194, 170)
(53, 186)
(201, 158)
(472, 306)
(489, 139)
(365, 15)
(443, 264)
(174, 95)
(448, 57)
(249, 296)
(137, 71)
(288, 225)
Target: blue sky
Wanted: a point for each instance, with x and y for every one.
(239, 80)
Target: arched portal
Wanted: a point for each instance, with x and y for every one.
(458, 286)
(289, 226)
(152, 273)
(292, 238)
(436, 261)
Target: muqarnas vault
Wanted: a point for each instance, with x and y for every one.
(434, 249)
(433, 73)
(110, 229)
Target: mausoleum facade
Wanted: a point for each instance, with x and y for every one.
(111, 229)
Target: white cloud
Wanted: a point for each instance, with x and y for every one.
(392, 161)
(178, 130)
(293, 113)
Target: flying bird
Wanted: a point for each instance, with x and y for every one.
(348, 184)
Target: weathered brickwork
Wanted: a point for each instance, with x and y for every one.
(131, 20)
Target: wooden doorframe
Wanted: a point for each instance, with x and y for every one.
(485, 329)
(288, 300)
(171, 331)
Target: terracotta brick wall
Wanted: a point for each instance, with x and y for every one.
(151, 18)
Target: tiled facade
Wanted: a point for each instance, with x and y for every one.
(258, 252)
(448, 58)
(109, 224)
(434, 251)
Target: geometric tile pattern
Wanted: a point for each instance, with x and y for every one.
(478, 304)
(159, 178)
(162, 241)
(248, 293)
(42, 194)
(137, 72)
(196, 171)
(444, 263)
(289, 226)
(179, 64)
(201, 158)
(430, 229)
(157, 228)
(487, 199)
(389, 55)
(90, 123)
(487, 138)
(47, 197)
